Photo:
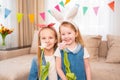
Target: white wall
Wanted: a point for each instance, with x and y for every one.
(9, 22)
(106, 21)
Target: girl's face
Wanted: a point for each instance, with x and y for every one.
(47, 36)
(67, 35)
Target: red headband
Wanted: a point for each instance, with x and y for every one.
(45, 25)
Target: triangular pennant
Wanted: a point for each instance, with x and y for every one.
(7, 12)
(67, 1)
(61, 3)
(31, 18)
(49, 11)
(42, 15)
(19, 17)
(111, 5)
(96, 10)
(85, 8)
(57, 7)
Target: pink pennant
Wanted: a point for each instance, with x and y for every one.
(96, 10)
(57, 7)
(42, 15)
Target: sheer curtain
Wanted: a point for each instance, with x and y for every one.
(9, 22)
(26, 28)
(105, 22)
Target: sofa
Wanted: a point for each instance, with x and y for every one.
(104, 59)
(104, 56)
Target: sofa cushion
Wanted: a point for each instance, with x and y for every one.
(16, 68)
(92, 43)
(103, 49)
(113, 48)
(34, 45)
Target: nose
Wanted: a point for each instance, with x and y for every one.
(65, 36)
(47, 40)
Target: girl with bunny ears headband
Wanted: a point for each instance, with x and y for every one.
(71, 55)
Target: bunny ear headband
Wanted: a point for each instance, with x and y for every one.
(68, 18)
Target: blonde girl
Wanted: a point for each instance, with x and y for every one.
(43, 66)
(71, 56)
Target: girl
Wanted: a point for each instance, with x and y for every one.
(43, 66)
(71, 56)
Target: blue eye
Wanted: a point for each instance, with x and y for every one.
(43, 38)
(69, 33)
(63, 34)
(51, 37)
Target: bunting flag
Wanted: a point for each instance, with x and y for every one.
(67, 1)
(111, 5)
(7, 12)
(31, 18)
(61, 3)
(19, 17)
(85, 8)
(96, 10)
(49, 11)
(42, 15)
(57, 7)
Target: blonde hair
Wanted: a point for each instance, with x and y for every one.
(78, 38)
(39, 49)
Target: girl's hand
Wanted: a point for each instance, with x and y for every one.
(62, 45)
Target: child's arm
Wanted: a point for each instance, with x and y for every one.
(87, 69)
(59, 70)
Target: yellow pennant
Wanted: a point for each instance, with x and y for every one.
(31, 18)
(67, 1)
(19, 17)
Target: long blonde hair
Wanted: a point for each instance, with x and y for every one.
(78, 38)
(39, 49)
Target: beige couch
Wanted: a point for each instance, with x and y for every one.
(104, 57)
(105, 64)
(15, 64)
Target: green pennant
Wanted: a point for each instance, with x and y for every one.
(61, 3)
(85, 8)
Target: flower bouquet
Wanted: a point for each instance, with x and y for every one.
(4, 32)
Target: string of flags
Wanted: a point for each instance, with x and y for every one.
(57, 7)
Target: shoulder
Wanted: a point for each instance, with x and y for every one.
(57, 52)
(34, 60)
(86, 54)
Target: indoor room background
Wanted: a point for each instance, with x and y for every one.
(95, 17)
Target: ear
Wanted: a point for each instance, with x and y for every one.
(57, 15)
(72, 13)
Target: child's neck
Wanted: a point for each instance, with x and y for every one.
(48, 52)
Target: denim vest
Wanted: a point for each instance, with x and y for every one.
(76, 61)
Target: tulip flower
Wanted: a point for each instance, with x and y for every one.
(4, 32)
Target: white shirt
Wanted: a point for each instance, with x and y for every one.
(52, 75)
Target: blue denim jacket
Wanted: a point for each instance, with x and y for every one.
(33, 75)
